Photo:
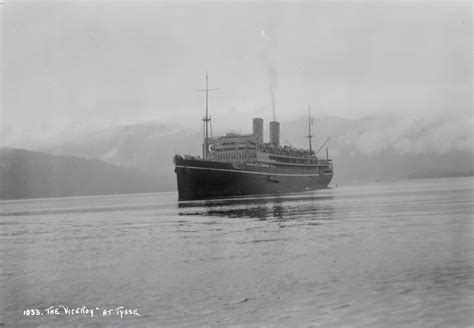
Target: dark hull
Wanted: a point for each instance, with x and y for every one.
(201, 179)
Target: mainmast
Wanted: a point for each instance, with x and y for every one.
(206, 119)
(310, 136)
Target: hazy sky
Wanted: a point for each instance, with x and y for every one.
(75, 65)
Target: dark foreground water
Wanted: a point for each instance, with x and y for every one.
(381, 255)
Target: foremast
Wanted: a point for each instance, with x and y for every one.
(206, 119)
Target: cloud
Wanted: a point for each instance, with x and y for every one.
(413, 134)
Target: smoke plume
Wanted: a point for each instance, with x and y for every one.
(272, 74)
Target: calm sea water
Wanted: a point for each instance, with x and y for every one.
(382, 255)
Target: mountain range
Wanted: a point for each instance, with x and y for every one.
(138, 158)
(365, 149)
(28, 174)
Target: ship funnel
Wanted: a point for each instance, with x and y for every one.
(275, 133)
(257, 128)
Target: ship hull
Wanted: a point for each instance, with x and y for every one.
(201, 179)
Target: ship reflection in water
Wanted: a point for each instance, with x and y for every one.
(306, 207)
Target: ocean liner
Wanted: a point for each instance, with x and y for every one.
(243, 164)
